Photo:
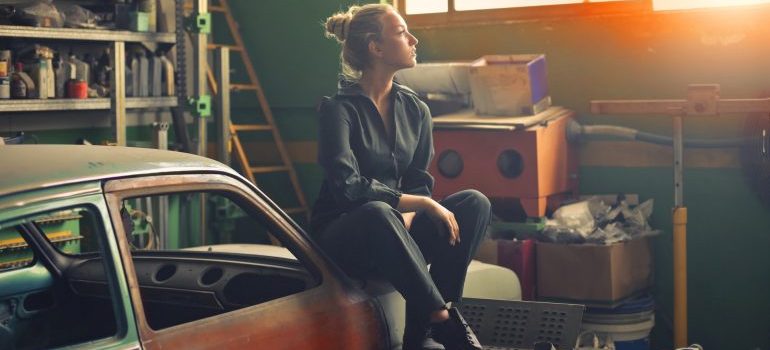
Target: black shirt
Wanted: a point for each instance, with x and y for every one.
(360, 162)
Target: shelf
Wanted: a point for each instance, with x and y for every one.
(85, 34)
(151, 102)
(33, 105)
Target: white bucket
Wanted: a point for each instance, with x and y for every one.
(623, 332)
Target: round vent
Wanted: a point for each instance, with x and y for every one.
(165, 272)
(450, 164)
(211, 276)
(510, 164)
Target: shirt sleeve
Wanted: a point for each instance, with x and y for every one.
(339, 162)
(416, 179)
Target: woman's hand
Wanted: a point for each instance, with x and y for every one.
(443, 218)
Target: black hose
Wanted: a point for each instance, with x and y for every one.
(696, 143)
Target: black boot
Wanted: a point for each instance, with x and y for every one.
(455, 333)
(422, 343)
(429, 343)
(417, 333)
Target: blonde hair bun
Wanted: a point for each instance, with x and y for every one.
(338, 24)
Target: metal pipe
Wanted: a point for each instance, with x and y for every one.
(161, 223)
(680, 276)
(222, 61)
(200, 43)
(118, 94)
(678, 160)
(680, 239)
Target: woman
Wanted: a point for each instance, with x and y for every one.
(374, 214)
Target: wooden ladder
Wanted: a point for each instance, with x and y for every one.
(253, 84)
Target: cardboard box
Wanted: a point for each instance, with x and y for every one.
(594, 274)
(518, 256)
(509, 85)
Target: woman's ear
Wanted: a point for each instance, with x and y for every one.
(374, 49)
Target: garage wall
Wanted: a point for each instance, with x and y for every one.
(611, 57)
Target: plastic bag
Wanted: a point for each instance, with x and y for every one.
(592, 221)
(580, 216)
(78, 17)
(588, 340)
(40, 13)
(611, 233)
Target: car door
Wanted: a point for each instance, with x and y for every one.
(49, 240)
(213, 264)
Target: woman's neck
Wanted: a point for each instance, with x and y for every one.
(376, 84)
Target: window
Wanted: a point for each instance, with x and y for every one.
(442, 12)
(43, 308)
(14, 250)
(71, 231)
(178, 222)
(438, 6)
(439, 12)
(198, 254)
(665, 5)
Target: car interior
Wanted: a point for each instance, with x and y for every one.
(63, 296)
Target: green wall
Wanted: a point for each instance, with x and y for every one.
(607, 57)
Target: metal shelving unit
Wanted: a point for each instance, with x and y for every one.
(85, 104)
(84, 34)
(118, 102)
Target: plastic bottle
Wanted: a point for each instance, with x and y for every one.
(103, 69)
(50, 79)
(156, 73)
(144, 75)
(65, 71)
(5, 88)
(134, 76)
(58, 72)
(82, 71)
(168, 77)
(150, 7)
(93, 63)
(40, 76)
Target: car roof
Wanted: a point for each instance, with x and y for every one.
(26, 167)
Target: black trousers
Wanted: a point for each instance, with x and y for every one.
(372, 241)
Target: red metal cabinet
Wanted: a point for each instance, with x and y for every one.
(522, 158)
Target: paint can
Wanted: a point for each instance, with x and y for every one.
(77, 89)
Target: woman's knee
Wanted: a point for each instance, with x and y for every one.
(475, 199)
(378, 213)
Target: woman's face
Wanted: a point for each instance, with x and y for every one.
(397, 47)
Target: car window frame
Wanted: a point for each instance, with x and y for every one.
(117, 190)
(36, 203)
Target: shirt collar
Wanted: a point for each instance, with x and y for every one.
(352, 88)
